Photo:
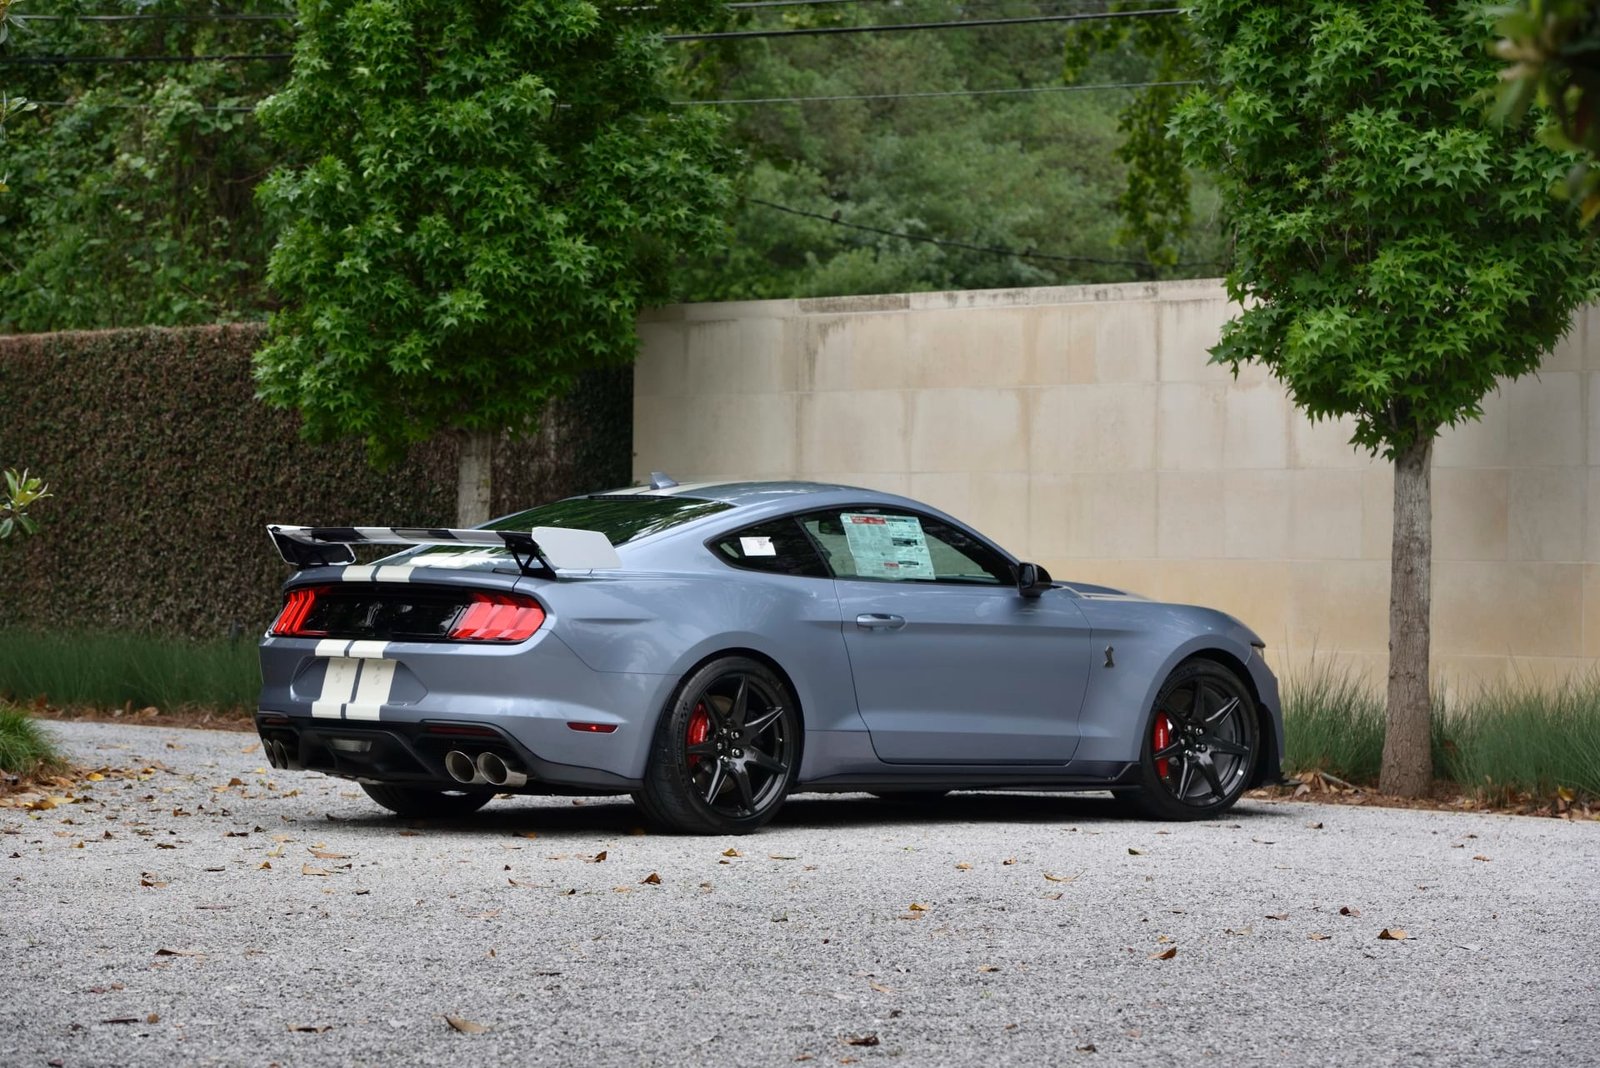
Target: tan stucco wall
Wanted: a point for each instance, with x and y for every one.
(1083, 428)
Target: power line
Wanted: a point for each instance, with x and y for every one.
(906, 27)
(932, 94)
(220, 16)
(990, 249)
(129, 105)
(61, 61)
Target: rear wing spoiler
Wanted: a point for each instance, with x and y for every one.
(542, 548)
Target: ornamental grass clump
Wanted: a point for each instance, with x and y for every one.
(25, 749)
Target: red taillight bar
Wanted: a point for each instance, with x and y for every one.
(296, 607)
(498, 617)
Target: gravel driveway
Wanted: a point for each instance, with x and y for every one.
(196, 907)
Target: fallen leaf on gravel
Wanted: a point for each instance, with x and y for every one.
(988, 967)
(1346, 910)
(526, 886)
(95, 776)
(1393, 934)
(1053, 897)
(151, 879)
(651, 880)
(880, 988)
(121, 1020)
(731, 852)
(466, 1027)
(306, 869)
(527, 834)
(1277, 915)
(780, 856)
(311, 1029)
(1317, 936)
(283, 838)
(914, 907)
(276, 852)
(154, 1017)
(165, 845)
(1061, 878)
(1009, 861)
(1480, 856)
(322, 854)
(164, 952)
(1087, 1047)
(597, 858)
(868, 1039)
(1132, 852)
(1165, 954)
(266, 865)
(1317, 826)
(910, 916)
(804, 1057)
(410, 834)
(962, 865)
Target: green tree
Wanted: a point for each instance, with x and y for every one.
(9, 105)
(1397, 253)
(493, 189)
(1554, 49)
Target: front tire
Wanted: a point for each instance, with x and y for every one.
(416, 801)
(726, 752)
(1199, 745)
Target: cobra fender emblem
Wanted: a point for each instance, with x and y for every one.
(1110, 662)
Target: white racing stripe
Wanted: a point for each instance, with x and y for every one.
(357, 573)
(393, 573)
(357, 682)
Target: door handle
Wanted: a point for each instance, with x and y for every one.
(879, 621)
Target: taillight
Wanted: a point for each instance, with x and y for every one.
(291, 621)
(498, 617)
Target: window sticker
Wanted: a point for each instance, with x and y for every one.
(887, 546)
(757, 547)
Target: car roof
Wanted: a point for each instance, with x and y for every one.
(743, 494)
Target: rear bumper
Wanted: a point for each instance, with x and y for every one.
(413, 753)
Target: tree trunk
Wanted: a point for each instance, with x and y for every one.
(474, 475)
(1407, 750)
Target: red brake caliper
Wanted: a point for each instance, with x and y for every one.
(1159, 741)
(699, 730)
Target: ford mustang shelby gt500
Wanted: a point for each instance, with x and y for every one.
(711, 648)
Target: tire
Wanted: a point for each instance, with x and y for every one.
(726, 752)
(417, 801)
(1192, 766)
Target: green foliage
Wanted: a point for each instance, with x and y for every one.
(175, 470)
(493, 188)
(1554, 50)
(21, 492)
(25, 749)
(130, 196)
(1396, 250)
(1499, 742)
(114, 670)
(1156, 200)
(1035, 171)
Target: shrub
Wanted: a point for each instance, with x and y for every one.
(25, 749)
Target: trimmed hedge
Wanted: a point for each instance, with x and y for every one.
(166, 472)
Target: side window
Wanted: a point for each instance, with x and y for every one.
(778, 546)
(876, 543)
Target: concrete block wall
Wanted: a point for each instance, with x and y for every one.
(1082, 427)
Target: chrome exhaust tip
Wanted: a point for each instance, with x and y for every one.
(496, 772)
(462, 769)
(274, 751)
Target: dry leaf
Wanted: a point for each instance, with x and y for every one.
(306, 869)
(151, 879)
(780, 856)
(1132, 852)
(1009, 861)
(597, 858)
(1277, 915)
(731, 852)
(266, 865)
(526, 886)
(914, 907)
(1346, 910)
(962, 865)
(164, 952)
(1165, 954)
(154, 1017)
(880, 988)
(651, 880)
(868, 1039)
(1317, 826)
(527, 834)
(165, 845)
(1317, 936)
(466, 1027)
(322, 854)
(1393, 934)
(988, 967)
(1060, 878)
(1481, 857)
(311, 1029)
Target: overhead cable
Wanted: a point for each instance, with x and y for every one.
(61, 61)
(906, 27)
(933, 94)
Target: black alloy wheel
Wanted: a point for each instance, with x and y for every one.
(1199, 744)
(726, 752)
(415, 801)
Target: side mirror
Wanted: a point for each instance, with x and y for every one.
(1032, 580)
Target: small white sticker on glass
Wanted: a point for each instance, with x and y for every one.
(757, 547)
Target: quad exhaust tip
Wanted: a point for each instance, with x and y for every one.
(462, 769)
(496, 772)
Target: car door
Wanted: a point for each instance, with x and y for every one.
(951, 665)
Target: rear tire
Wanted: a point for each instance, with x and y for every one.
(726, 752)
(1199, 745)
(417, 801)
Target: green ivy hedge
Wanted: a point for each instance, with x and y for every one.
(166, 472)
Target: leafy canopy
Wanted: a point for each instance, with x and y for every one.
(494, 187)
(1397, 250)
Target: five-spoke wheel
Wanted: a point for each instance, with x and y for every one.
(726, 752)
(1199, 746)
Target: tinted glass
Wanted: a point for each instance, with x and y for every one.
(883, 544)
(622, 518)
(778, 546)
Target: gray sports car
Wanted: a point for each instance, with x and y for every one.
(709, 649)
